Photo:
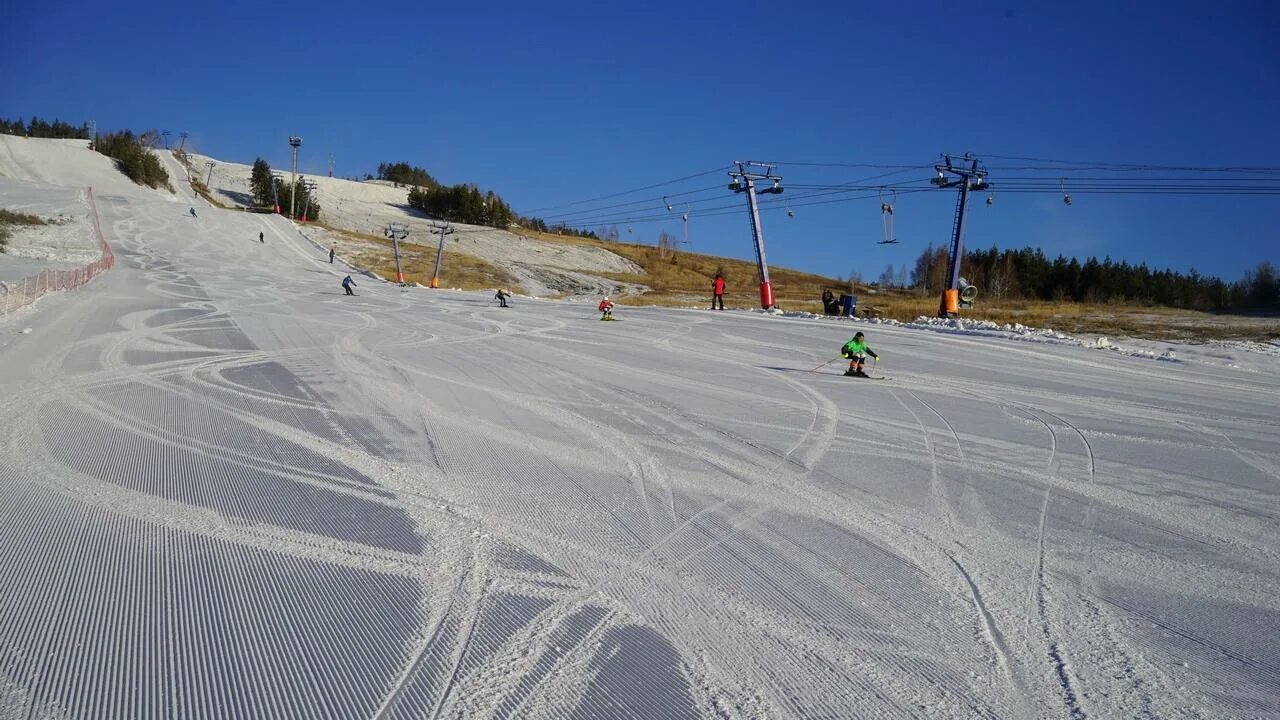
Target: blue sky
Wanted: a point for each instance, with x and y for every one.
(550, 103)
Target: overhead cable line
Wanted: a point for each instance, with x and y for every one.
(719, 169)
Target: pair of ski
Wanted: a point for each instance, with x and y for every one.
(864, 376)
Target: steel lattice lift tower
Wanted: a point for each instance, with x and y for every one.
(971, 176)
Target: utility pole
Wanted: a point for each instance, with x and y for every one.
(294, 142)
(398, 232)
(444, 230)
(209, 179)
(183, 144)
(330, 166)
(971, 176)
(744, 180)
(165, 134)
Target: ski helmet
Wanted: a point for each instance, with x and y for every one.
(858, 335)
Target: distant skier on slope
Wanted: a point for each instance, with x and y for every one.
(347, 284)
(330, 256)
(193, 212)
(857, 351)
(606, 307)
(261, 239)
(501, 297)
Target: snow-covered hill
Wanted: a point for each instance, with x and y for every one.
(228, 490)
(542, 268)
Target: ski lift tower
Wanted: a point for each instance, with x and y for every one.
(744, 180)
(276, 180)
(444, 229)
(397, 232)
(294, 142)
(968, 176)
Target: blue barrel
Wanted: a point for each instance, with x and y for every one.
(848, 304)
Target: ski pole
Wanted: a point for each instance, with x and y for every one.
(824, 364)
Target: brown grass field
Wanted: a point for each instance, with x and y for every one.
(683, 279)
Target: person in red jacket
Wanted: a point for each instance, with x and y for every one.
(717, 291)
(606, 307)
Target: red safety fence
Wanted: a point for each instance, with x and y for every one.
(19, 294)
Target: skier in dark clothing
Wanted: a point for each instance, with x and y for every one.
(347, 284)
(330, 256)
(261, 239)
(857, 351)
(717, 291)
(501, 297)
(193, 212)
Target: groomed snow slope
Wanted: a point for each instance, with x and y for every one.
(542, 268)
(227, 490)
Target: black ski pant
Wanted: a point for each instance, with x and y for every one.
(717, 298)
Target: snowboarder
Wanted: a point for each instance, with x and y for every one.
(193, 212)
(261, 239)
(857, 351)
(606, 307)
(330, 256)
(347, 284)
(501, 297)
(717, 291)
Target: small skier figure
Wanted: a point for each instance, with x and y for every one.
(857, 351)
(717, 291)
(501, 297)
(347, 284)
(606, 307)
(193, 212)
(261, 239)
(330, 256)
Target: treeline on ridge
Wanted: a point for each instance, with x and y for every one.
(1029, 274)
(38, 128)
(464, 203)
(133, 156)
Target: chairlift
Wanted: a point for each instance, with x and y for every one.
(629, 229)
(790, 213)
(1065, 197)
(666, 202)
(886, 219)
(991, 199)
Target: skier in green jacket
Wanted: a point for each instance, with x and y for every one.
(857, 351)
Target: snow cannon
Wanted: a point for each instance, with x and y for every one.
(967, 294)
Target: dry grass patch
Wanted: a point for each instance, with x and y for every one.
(9, 218)
(458, 270)
(684, 278)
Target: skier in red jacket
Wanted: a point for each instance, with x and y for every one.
(717, 291)
(606, 307)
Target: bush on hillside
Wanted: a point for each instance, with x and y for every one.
(134, 158)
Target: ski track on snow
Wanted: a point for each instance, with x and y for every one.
(229, 491)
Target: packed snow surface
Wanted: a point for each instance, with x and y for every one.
(227, 490)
